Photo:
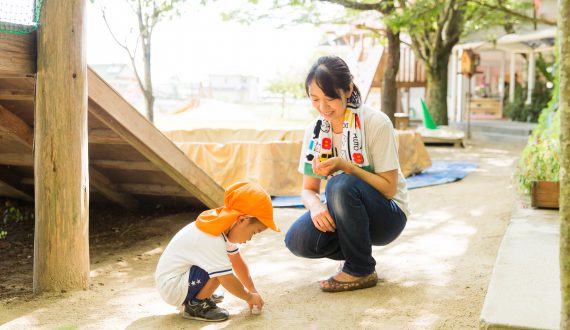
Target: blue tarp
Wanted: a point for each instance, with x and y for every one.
(440, 172)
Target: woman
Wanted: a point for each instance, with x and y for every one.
(354, 147)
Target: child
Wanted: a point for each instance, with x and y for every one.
(201, 255)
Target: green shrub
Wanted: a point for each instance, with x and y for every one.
(540, 159)
(12, 213)
(518, 110)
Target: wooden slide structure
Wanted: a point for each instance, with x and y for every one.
(130, 161)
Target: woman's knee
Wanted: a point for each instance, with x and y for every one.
(295, 239)
(289, 239)
(342, 184)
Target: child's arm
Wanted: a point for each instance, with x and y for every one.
(234, 286)
(242, 271)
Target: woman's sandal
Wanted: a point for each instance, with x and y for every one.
(361, 283)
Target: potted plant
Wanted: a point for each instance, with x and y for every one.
(539, 167)
(539, 172)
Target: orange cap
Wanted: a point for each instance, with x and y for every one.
(239, 199)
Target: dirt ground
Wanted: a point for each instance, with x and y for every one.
(434, 276)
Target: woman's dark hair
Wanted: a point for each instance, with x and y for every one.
(331, 73)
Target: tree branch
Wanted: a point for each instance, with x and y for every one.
(418, 51)
(513, 13)
(357, 5)
(124, 46)
(379, 32)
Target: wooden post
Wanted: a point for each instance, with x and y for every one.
(530, 78)
(61, 245)
(564, 101)
(512, 78)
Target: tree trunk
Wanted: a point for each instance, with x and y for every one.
(148, 92)
(61, 241)
(564, 58)
(437, 89)
(389, 87)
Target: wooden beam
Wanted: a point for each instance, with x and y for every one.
(28, 181)
(124, 165)
(18, 128)
(156, 189)
(17, 94)
(110, 190)
(17, 159)
(110, 108)
(14, 181)
(105, 136)
(12, 124)
(11, 75)
(7, 191)
(18, 53)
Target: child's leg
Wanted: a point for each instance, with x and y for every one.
(197, 306)
(199, 282)
(208, 289)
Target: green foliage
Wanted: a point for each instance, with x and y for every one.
(481, 15)
(542, 96)
(540, 159)
(12, 213)
(290, 12)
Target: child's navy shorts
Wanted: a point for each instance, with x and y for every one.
(197, 278)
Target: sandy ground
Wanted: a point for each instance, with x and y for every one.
(433, 277)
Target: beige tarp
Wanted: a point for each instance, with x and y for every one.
(270, 157)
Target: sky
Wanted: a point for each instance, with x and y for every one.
(200, 42)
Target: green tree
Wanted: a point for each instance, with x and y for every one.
(147, 14)
(564, 27)
(436, 26)
(392, 35)
(308, 11)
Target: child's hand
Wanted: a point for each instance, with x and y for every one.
(255, 300)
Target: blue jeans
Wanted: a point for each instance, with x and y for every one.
(363, 217)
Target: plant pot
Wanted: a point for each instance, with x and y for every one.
(545, 194)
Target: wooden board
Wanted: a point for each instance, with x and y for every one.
(458, 143)
(486, 109)
(130, 159)
(17, 54)
(113, 110)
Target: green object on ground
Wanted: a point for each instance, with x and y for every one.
(428, 121)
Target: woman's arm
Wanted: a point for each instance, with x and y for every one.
(385, 182)
(242, 271)
(310, 195)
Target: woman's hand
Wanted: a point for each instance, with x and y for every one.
(322, 219)
(330, 166)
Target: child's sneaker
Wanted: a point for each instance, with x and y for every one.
(217, 298)
(206, 310)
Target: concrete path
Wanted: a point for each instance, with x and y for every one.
(524, 291)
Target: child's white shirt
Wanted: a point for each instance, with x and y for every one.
(189, 247)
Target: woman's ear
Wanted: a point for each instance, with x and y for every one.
(350, 89)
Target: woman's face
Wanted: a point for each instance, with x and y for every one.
(331, 109)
